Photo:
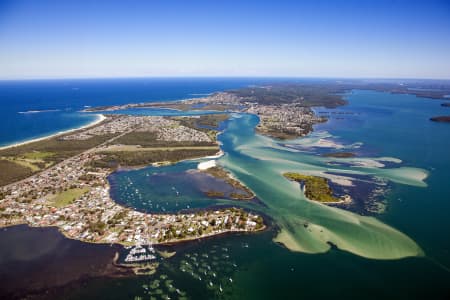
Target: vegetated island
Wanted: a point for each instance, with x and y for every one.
(62, 182)
(442, 119)
(339, 154)
(316, 188)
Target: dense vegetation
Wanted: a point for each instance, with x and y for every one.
(242, 192)
(434, 90)
(61, 149)
(305, 95)
(316, 188)
(11, 172)
(329, 94)
(98, 227)
(204, 120)
(140, 158)
(211, 120)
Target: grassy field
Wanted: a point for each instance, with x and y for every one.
(67, 197)
(31, 160)
(38, 155)
(316, 188)
(26, 164)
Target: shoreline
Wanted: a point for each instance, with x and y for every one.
(264, 228)
(100, 118)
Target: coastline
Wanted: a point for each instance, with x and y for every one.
(106, 186)
(100, 118)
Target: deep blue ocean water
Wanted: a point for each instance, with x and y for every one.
(58, 101)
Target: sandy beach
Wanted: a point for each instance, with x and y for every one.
(100, 118)
(206, 165)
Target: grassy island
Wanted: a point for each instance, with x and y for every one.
(315, 188)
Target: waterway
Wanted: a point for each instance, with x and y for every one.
(313, 250)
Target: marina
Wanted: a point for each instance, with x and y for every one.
(139, 254)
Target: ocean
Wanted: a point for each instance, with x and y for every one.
(401, 253)
(37, 108)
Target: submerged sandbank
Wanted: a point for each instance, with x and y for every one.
(307, 226)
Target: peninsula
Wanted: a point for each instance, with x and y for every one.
(62, 182)
(284, 110)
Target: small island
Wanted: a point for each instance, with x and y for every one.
(339, 154)
(315, 188)
(241, 192)
(441, 119)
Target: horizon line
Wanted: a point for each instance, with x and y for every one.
(222, 76)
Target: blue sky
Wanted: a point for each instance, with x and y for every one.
(76, 39)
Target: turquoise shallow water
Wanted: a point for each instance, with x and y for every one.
(415, 223)
(398, 125)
